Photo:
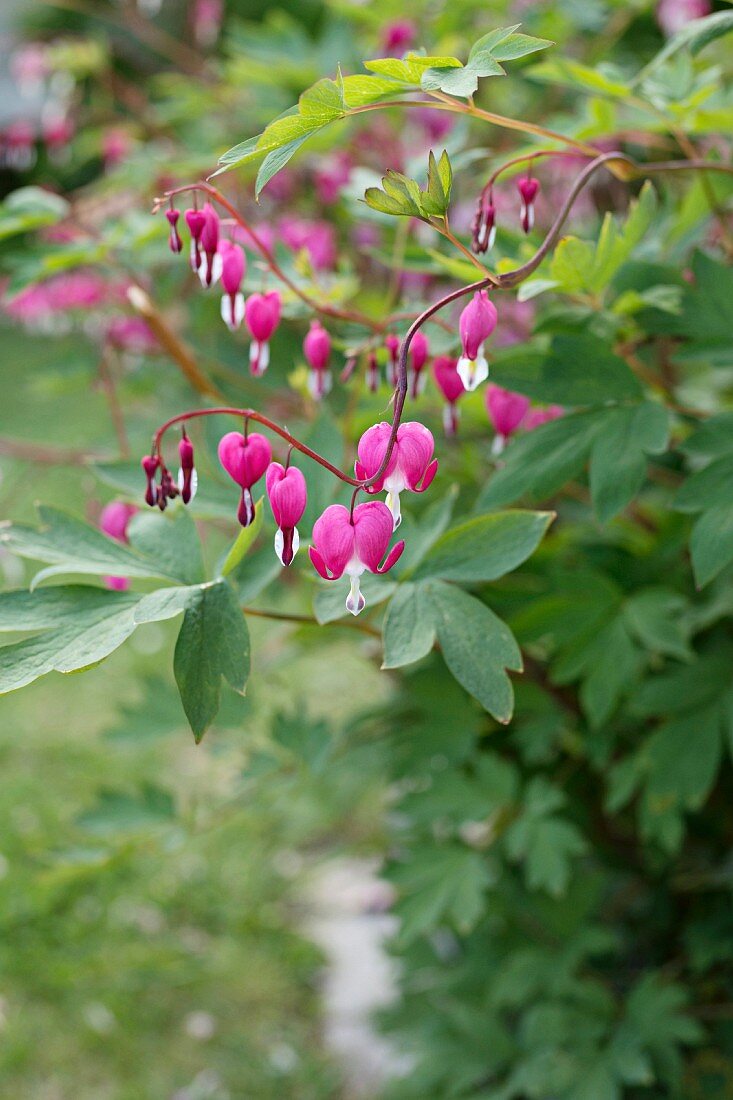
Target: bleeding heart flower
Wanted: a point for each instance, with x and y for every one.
(174, 238)
(288, 496)
(392, 344)
(536, 417)
(483, 228)
(506, 412)
(352, 543)
(418, 357)
(317, 351)
(113, 521)
(409, 467)
(477, 322)
(261, 316)
(195, 221)
(210, 265)
(233, 267)
(245, 459)
(528, 188)
(187, 476)
(450, 384)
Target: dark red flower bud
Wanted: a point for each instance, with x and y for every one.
(372, 373)
(187, 473)
(174, 240)
(483, 226)
(528, 188)
(195, 221)
(150, 464)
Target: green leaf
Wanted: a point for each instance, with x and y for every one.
(544, 842)
(409, 70)
(483, 60)
(439, 884)
(653, 615)
(706, 320)
(694, 36)
(578, 369)
(79, 626)
(409, 627)
(711, 543)
(542, 460)
(477, 646)
(440, 180)
(71, 546)
(708, 488)
(486, 547)
(169, 538)
(602, 80)
(30, 208)
(618, 455)
(213, 643)
(118, 812)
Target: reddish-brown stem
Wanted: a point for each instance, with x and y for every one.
(270, 259)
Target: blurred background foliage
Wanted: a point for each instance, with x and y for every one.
(562, 883)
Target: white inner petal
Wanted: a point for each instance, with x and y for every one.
(355, 602)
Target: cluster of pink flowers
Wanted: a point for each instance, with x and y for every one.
(483, 228)
(345, 541)
(509, 412)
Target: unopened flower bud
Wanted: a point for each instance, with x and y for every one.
(418, 356)
(187, 480)
(528, 188)
(150, 464)
(174, 238)
(392, 344)
(372, 374)
(483, 226)
(195, 221)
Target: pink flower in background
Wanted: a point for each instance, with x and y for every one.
(131, 334)
(417, 358)
(316, 237)
(392, 344)
(673, 15)
(57, 132)
(398, 37)
(29, 67)
(331, 176)
(536, 417)
(317, 351)
(450, 384)
(245, 459)
(116, 147)
(233, 267)
(288, 496)
(506, 412)
(436, 124)
(517, 319)
(477, 322)
(207, 20)
(261, 316)
(18, 142)
(113, 522)
(352, 544)
(411, 465)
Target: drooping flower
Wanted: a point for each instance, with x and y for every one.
(372, 372)
(210, 264)
(245, 459)
(187, 476)
(174, 238)
(418, 357)
(477, 322)
(288, 496)
(317, 351)
(207, 20)
(352, 544)
(450, 384)
(116, 145)
(506, 412)
(318, 238)
(411, 464)
(528, 188)
(150, 464)
(113, 521)
(261, 316)
(483, 227)
(195, 219)
(398, 36)
(392, 344)
(233, 267)
(131, 334)
(537, 417)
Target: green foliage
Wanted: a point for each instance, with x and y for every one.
(402, 196)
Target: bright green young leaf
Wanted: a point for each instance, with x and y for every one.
(243, 542)
(213, 643)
